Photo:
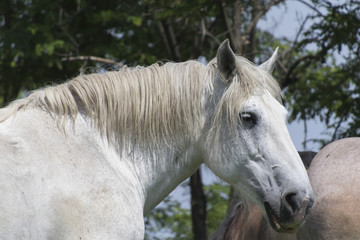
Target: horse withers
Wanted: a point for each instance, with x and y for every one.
(334, 176)
(89, 158)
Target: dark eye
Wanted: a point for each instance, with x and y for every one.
(248, 118)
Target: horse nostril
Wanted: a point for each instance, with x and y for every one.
(293, 201)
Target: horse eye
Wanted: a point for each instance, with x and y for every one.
(248, 117)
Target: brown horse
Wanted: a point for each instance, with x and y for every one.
(335, 176)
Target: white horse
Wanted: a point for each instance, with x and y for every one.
(87, 159)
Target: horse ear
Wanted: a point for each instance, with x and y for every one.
(226, 61)
(270, 63)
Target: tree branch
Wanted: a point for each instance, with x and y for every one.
(337, 127)
(305, 131)
(313, 57)
(287, 80)
(173, 43)
(224, 15)
(205, 31)
(261, 13)
(169, 39)
(163, 36)
(288, 54)
(255, 16)
(312, 7)
(92, 58)
(237, 35)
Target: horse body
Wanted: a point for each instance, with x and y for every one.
(64, 187)
(87, 159)
(334, 176)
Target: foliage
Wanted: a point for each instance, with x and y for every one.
(217, 198)
(172, 221)
(327, 84)
(35, 35)
(168, 221)
(38, 39)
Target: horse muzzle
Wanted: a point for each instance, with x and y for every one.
(291, 214)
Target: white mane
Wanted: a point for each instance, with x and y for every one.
(147, 104)
(143, 103)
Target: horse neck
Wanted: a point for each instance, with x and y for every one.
(152, 172)
(161, 169)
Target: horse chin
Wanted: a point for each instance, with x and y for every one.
(278, 225)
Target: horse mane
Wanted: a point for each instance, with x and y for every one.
(147, 104)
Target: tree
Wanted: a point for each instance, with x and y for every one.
(41, 40)
(316, 84)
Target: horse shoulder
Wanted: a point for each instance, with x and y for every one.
(59, 186)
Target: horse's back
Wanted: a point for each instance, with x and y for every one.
(335, 177)
(59, 186)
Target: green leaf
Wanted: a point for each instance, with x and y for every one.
(137, 21)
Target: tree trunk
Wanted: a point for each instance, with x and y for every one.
(198, 207)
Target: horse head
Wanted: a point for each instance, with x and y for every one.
(248, 143)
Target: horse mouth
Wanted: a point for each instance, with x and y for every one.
(275, 221)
